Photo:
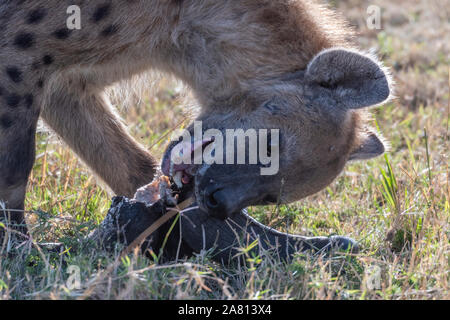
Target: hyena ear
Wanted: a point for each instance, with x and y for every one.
(371, 146)
(354, 80)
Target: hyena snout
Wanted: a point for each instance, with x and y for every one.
(222, 190)
(224, 185)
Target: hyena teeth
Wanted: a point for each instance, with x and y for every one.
(177, 178)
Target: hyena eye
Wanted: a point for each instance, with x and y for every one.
(272, 107)
(328, 85)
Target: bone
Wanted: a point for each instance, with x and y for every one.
(202, 232)
(196, 231)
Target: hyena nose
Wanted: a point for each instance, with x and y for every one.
(216, 202)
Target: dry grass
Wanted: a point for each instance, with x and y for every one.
(396, 206)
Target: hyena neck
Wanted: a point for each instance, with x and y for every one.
(223, 49)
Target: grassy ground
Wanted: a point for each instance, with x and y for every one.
(397, 206)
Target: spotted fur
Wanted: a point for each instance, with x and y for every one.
(232, 54)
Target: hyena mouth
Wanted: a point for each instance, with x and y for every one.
(180, 163)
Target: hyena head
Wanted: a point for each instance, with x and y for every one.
(281, 65)
(319, 117)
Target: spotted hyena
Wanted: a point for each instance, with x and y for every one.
(285, 64)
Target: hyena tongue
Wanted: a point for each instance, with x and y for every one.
(175, 167)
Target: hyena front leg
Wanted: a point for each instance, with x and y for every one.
(84, 119)
(17, 151)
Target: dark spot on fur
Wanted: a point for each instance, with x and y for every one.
(13, 100)
(272, 17)
(101, 12)
(1, 91)
(110, 30)
(176, 2)
(40, 83)
(28, 100)
(48, 59)
(36, 15)
(14, 74)
(24, 41)
(62, 33)
(6, 121)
